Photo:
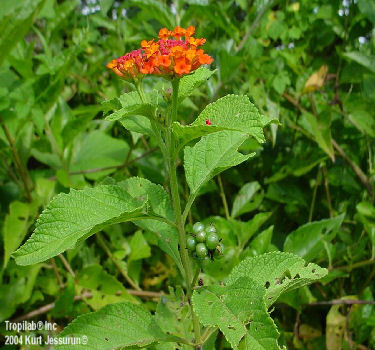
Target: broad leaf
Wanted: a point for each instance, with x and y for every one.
(308, 240)
(106, 289)
(362, 59)
(139, 247)
(231, 307)
(73, 217)
(114, 326)
(129, 104)
(190, 82)
(16, 223)
(99, 150)
(158, 198)
(16, 18)
(231, 112)
(320, 129)
(211, 155)
(278, 272)
(160, 205)
(245, 202)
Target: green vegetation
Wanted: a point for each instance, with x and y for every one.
(233, 207)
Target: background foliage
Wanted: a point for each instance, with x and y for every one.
(309, 189)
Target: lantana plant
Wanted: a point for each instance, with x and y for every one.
(193, 314)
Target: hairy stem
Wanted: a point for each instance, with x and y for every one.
(173, 182)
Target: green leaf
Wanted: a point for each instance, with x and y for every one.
(245, 230)
(261, 242)
(160, 205)
(368, 9)
(106, 289)
(114, 326)
(366, 215)
(18, 289)
(157, 197)
(99, 151)
(211, 155)
(307, 240)
(362, 59)
(129, 104)
(139, 124)
(16, 223)
(157, 10)
(320, 130)
(139, 247)
(231, 307)
(190, 82)
(278, 272)
(231, 112)
(16, 19)
(243, 202)
(73, 217)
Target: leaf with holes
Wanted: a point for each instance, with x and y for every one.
(278, 272)
(70, 218)
(211, 155)
(232, 112)
(114, 326)
(234, 306)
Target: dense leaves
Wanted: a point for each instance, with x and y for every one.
(288, 100)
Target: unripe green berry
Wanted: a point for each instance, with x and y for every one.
(205, 261)
(219, 251)
(201, 250)
(212, 241)
(201, 236)
(198, 227)
(191, 243)
(211, 229)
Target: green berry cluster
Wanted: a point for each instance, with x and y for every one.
(204, 242)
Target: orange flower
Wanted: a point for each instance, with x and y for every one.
(189, 31)
(182, 66)
(164, 61)
(178, 32)
(166, 57)
(164, 33)
(195, 42)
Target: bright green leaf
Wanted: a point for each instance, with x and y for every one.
(231, 112)
(307, 240)
(139, 247)
(278, 272)
(244, 202)
(211, 155)
(73, 217)
(16, 223)
(190, 82)
(231, 307)
(114, 326)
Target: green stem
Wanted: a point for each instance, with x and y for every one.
(223, 198)
(103, 244)
(138, 86)
(171, 160)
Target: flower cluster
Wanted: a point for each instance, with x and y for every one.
(176, 53)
